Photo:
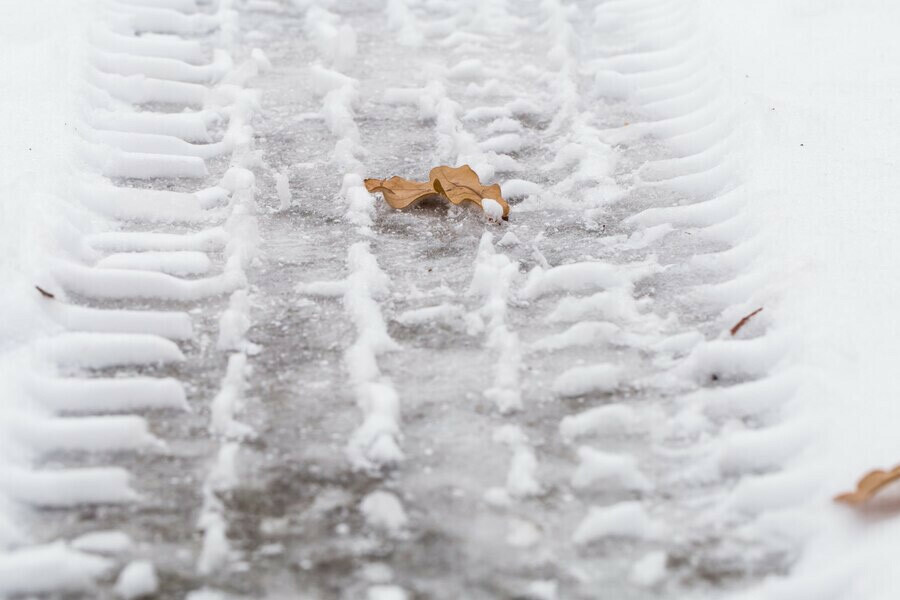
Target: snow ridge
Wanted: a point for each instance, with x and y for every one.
(124, 68)
(374, 446)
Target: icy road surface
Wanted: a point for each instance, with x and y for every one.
(420, 404)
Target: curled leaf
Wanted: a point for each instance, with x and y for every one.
(869, 485)
(454, 184)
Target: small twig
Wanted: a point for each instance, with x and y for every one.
(44, 292)
(743, 321)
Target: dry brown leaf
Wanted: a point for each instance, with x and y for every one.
(743, 321)
(454, 184)
(869, 485)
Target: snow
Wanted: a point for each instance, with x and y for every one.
(171, 325)
(283, 189)
(813, 86)
(623, 520)
(579, 381)
(42, 569)
(98, 350)
(444, 314)
(586, 333)
(68, 487)
(617, 305)
(604, 470)
(230, 400)
(610, 419)
(582, 277)
(174, 263)
(522, 534)
(649, 570)
(137, 580)
(103, 542)
(73, 395)
(386, 592)
(492, 209)
(383, 510)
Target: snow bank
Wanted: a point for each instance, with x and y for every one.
(816, 90)
(79, 73)
(43, 60)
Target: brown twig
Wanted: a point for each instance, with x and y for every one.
(743, 321)
(44, 292)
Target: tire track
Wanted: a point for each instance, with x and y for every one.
(129, 340)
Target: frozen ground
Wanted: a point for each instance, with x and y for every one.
(255, 380)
